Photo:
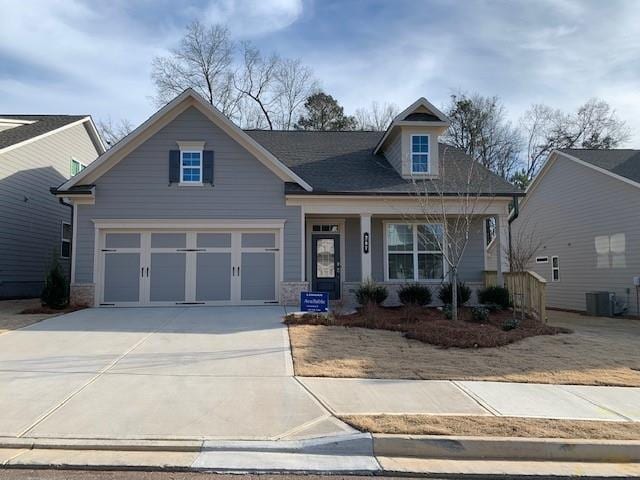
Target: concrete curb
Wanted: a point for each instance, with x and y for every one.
(102, 445)
(493, 448)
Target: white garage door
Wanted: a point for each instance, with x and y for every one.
(188, 268)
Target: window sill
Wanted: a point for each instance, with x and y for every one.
(191, 185)
(435, 281)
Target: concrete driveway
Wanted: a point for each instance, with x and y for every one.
(157, 373)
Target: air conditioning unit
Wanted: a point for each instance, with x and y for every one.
(600, 304)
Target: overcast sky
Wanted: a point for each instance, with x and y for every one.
(70, 56)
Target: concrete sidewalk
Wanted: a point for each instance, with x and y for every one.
(359, 396)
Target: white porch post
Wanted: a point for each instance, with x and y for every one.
(365, 245)
(502, 247)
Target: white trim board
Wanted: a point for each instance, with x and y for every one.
(173, 224)
(188, 98)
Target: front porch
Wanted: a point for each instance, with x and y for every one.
(345, 244)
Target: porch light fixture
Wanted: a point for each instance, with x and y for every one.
(365, 242)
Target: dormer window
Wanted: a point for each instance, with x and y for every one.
(419, 153)
(191, 167)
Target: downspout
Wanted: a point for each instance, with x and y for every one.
(512, 216)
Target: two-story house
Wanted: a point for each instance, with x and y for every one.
(37, 151)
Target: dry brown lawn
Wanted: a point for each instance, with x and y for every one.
(601, 351)
(495, 426)
(12, 319)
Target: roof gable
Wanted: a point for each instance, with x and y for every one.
(421, 112)
(188, 98)
(29, 128)
(619, 163)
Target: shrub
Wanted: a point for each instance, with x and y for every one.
(56, 292)
(370, 292)
(414, 294)
(510, 324)
(480, 314)
(494, 295)
(448, 314)
(446, 295)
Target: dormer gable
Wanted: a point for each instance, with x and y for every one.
(410, 143)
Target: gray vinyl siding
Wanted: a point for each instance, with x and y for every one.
(352, 250)
(137, 187)
(571, 206)
(393, 152)
(30, 216)
(471, 265)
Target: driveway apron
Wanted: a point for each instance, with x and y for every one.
(157, 373)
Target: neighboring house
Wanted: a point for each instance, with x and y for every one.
(585, 207)
(37, 151)
(190, 209)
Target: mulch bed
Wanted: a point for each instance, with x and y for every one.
(430, 325)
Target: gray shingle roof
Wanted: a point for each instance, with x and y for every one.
(42, 124)
(344, 163)
(623, 162)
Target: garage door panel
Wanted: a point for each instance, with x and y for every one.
(213, 277)
(258, 240)
(122, 240)
(122, 277)
(258, 276)
(168, 240)
(167, 278)
(214, 240)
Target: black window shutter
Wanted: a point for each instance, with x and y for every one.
(174, 166)
(207, 166)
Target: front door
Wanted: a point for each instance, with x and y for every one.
(326, 264)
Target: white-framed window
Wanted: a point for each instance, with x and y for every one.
(65, 240)
(76, 166)
(555, 269)
(419, 153)
(413, 251)
(542, 259)
(191, 167)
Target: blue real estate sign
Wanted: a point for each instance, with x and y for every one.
(314, 301)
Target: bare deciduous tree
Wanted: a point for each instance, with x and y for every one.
(201, 61)
(525, 243)
(112, 132)
(449, 207)
(479, 126)
(376, 117)
(294, 83)
(593, 125)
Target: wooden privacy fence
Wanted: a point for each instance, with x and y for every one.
(528, 292)
(490, 278)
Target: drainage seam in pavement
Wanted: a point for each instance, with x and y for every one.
(476, 398)
(322, 403)
(66, 400)
(594, 403)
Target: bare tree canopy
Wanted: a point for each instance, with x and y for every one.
(376, 117)
(479, 127)
(112, 132)
(323, 112)
(593, 125)
(294, 83)
(201, 61)
(255, 90)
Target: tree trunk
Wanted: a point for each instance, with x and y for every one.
(454, 294)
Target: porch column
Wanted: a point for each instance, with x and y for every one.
(502, 247)
(365, 245)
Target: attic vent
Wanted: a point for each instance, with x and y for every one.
(542, 259)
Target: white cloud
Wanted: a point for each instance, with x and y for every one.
(252, 18)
